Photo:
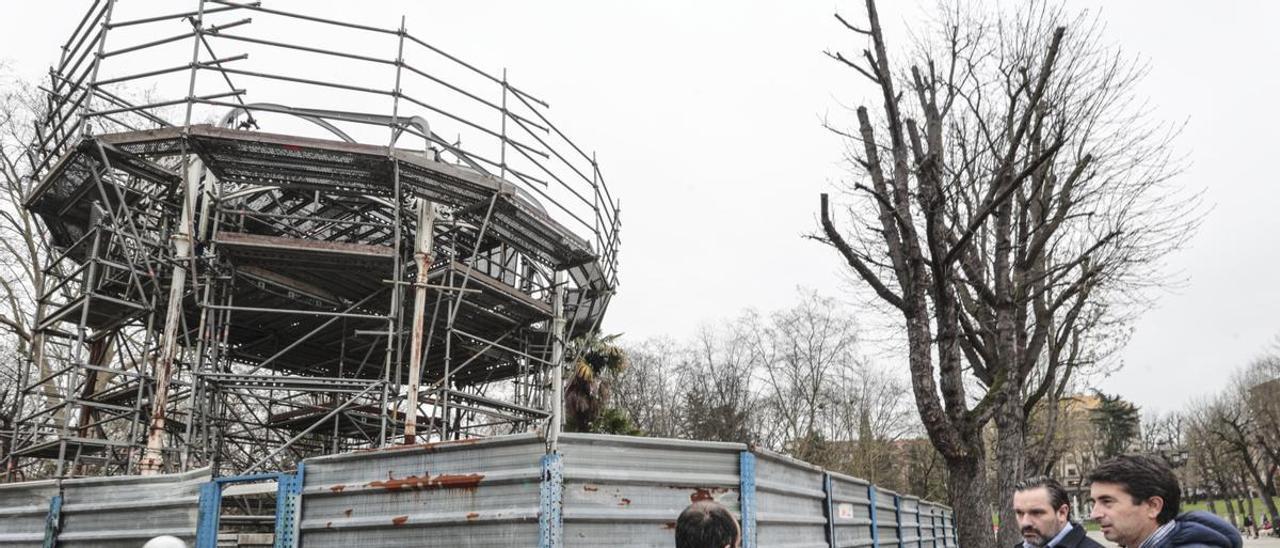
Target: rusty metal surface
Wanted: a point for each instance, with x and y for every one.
(127, 511)
(617, 490)
(468, 493)
(23, 507)
(626, 488)
(296, 245)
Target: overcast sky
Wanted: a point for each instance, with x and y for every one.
(706, 119)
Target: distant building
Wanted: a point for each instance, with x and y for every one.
(1264, 402)
(1078, 436)
(1078, 443)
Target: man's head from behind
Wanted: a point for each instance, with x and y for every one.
(1041, 506)
(706, 524)
(1133, 495)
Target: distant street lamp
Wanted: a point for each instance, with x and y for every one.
(1176, 457)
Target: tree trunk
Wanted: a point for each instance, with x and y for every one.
(1010, 466)
(968, 491)
(1042, 462)
(1268, 497)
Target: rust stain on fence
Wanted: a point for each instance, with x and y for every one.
(427, 482)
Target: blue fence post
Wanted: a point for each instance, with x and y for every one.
(289, 507)
(897, 514)
(747, 497)
(207, 520)
(875, 526)
(52, 522)
(550, 501)
(828, 488)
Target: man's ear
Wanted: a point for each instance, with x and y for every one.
(1154, 506)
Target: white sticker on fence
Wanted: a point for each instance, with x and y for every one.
(844, 510)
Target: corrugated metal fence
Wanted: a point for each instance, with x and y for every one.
(497, 492)
(100, 512)
(24, 508)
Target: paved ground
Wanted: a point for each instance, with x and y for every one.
(1270, 542)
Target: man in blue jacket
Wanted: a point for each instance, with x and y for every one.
(1136, 500)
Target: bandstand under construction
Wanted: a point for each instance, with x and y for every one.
(262, 250)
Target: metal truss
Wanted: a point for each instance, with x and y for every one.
(244, 279)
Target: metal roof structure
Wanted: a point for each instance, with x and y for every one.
(254, 265)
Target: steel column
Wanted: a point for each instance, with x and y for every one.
(289, 507)
(557, 361)
(423, 255)
(875, 525)
(747, 498)
(828, 489)
(550, 502)
(53, 522)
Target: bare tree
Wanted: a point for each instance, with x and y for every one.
(1018, 183)
(1259, 386)
(32, 284)
(825, 404)
(719, 401)
(1162, 431)
(798, 353)
(1239, 427)
(649, 390)
(24, 253)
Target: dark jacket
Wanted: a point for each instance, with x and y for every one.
(1202, 530)
(1077, 538)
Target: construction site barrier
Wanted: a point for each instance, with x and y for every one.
(597, 490)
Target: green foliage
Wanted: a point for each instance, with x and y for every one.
(614, 420)
(711, 415)
(587, 392)
(1117, 422)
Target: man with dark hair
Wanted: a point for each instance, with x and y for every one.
(1136, 500)
(1044, 515)
(706, 524)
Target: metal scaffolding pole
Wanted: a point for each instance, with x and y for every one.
(423, 255)
(556, 420)
(275, 268)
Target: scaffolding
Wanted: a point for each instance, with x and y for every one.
(380, 244)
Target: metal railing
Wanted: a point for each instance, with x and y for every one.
(210, 64)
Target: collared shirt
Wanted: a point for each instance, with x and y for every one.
(1159, 535)
(1053, 541)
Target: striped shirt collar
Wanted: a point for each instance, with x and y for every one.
(1159, 535)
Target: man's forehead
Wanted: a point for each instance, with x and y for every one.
(1036, 496)
(1103, 488)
